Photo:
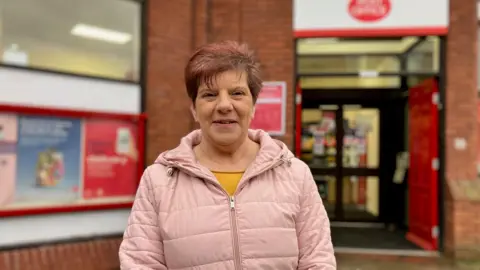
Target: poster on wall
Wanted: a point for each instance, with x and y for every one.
(270, 109)
(48, 161)
(8, 157)
(110, 161)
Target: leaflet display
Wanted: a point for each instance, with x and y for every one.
(59, 161)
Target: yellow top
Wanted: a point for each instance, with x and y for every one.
(228, 180)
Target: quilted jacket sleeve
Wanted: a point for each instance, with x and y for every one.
(142, 246)
(313, 230)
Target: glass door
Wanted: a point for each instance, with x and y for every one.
(360, 155)
(319, 151)
(340, 140)
(340, 144)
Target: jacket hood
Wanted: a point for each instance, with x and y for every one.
(271, 152)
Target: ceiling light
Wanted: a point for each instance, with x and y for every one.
(316, 41)
(93, 32)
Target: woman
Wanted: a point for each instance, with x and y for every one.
(227, 197)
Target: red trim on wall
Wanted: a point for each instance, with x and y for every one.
(43, 111)
(298, 119)
(141, 146)
(31, 110)
(365, 32)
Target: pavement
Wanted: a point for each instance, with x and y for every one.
(359, 264)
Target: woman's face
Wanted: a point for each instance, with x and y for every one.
(225, 110)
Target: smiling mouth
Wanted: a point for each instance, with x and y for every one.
(225, 122)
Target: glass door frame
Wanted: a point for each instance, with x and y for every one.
(344, 96)
(403, 74)
(340, 171)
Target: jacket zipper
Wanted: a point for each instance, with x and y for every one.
(236, 246)
(233, 217)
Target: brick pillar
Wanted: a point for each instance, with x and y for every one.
(169, 46)
(461, 110)
(225, 20)
(462, 221)
(267, 26)
(202, 22)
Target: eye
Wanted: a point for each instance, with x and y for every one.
(208, 95)
(238, 92)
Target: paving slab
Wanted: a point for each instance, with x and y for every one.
(356, 264)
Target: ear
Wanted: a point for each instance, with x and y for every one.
(253, 112)
(194, 113)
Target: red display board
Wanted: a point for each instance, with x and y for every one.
(110, 161)
(270, 109)
(423, 164)
(54, 160)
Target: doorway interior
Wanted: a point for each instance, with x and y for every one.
(352, 130)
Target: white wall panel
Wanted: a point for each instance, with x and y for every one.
(46, 228)
(31, 88)
(25, 87)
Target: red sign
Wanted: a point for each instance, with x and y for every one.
(369, 10)
(478, 136)
(270, 109)
(110, 165)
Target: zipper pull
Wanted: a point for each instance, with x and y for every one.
(232, 202)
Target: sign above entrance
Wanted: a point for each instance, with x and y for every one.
(355, 18)
(369, 11)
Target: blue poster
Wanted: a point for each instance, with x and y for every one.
(48, 160)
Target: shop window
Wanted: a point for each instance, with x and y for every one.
(99, 38)
(425, 57)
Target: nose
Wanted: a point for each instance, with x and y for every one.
(224, 104)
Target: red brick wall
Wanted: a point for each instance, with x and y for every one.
(169, 46)
(461, 103)
(89, 255)
(463, 226)
(176, 28)
(266, 25)
(462, 222)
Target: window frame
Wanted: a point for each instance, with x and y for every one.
(142, 57)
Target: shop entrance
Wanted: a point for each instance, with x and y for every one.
(352, 127)
(355, 142)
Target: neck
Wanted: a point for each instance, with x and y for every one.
(228, 153)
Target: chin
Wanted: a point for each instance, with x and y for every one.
(225, 139)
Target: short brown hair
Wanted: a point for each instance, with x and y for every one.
(215, 58)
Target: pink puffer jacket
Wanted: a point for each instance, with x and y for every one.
(183, 219)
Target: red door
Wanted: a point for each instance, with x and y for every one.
(422, 175)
